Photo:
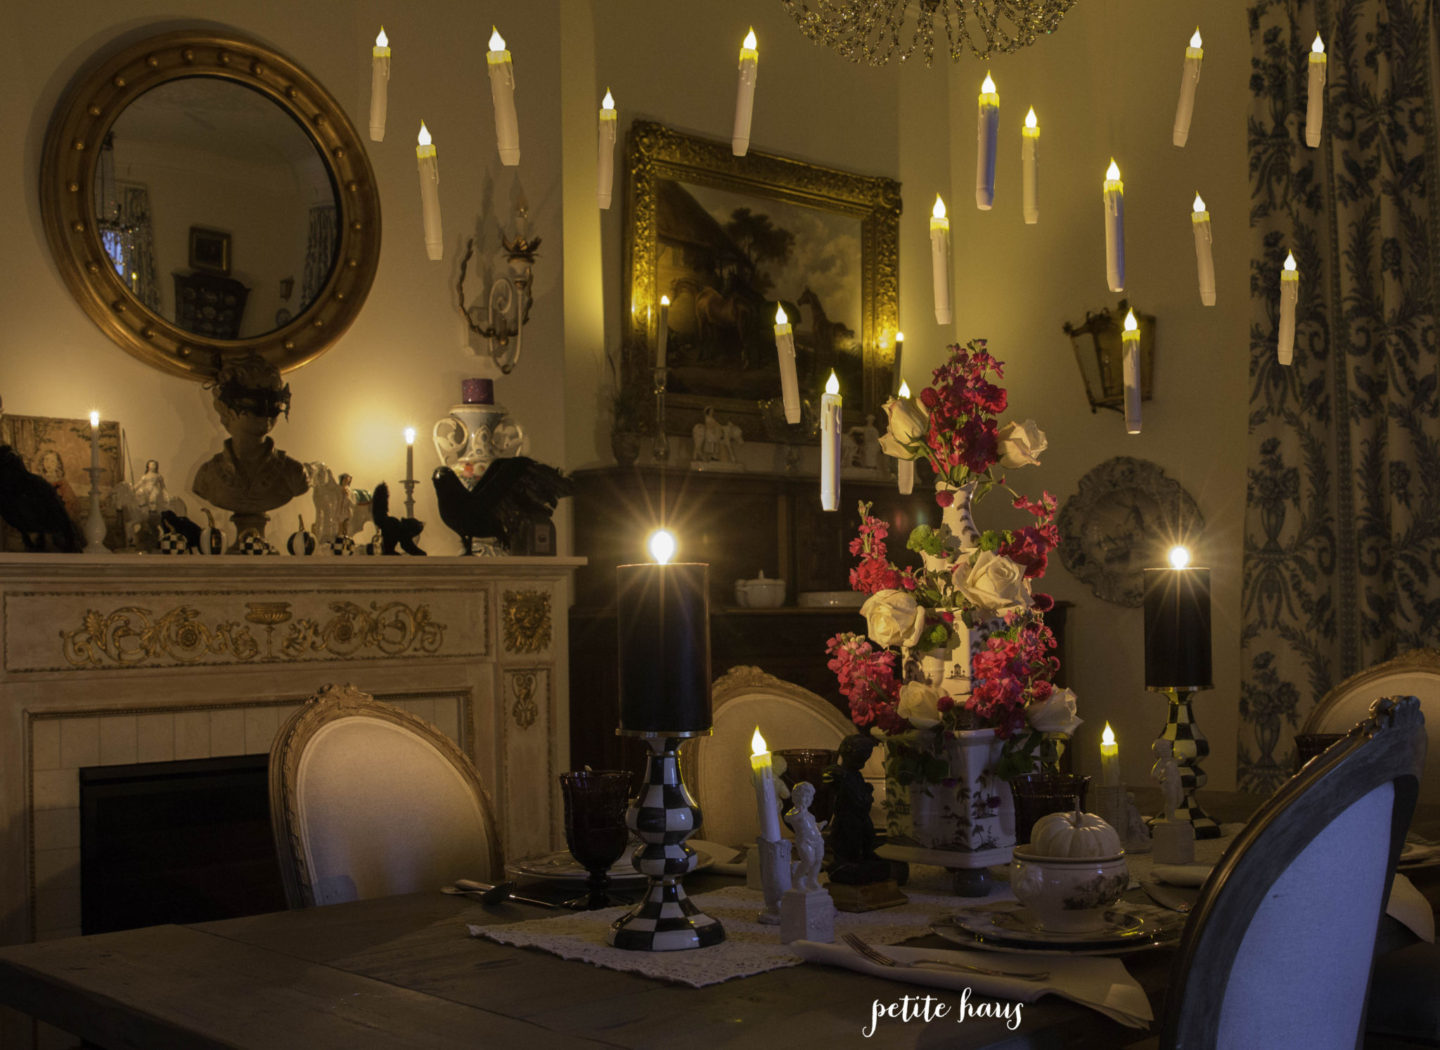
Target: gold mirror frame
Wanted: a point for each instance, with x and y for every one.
(67, 176)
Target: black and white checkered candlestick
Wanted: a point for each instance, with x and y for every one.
(1188, 745)
(664, 815)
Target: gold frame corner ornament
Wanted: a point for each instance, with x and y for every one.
(70, 159)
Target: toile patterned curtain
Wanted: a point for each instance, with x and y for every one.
(1342, 528)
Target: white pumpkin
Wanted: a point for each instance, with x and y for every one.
(1073, 834)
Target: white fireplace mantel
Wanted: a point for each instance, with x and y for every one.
(123, 659)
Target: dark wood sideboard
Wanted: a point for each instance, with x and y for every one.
(740, 524)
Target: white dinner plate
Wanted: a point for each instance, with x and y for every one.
(1006, 926)
(561, 867)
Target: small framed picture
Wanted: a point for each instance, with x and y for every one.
(209, 250)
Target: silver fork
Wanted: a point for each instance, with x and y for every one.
(876, 956)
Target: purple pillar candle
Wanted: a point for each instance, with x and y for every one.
(477, 391)
(1177, 629)
(663, 612)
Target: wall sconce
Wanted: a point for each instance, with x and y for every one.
(506, 310)
(1101, 358)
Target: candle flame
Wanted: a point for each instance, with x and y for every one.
(1290, 260)
(409, 435)
(757, 743)
(988, 87)
(1030, 121)
(749, 42)
(1108, 736)
(939, 210)
(664, 300)
(1112, 173)
(832, 385)
(662, 546)
(780, 316)
(1199, 204)
(899, 338)
(1130, 324)
(497, 42)
(1195, 40)
(904, 388)
(1179, 557)
(609, 101)
(1319, 46)
(424, 137)
(94, 420)
(382, 40)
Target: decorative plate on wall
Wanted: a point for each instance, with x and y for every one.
(1125, 518)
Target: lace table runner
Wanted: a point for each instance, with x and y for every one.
(749, 947)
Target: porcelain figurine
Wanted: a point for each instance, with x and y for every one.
(809, 846)
(716, 444)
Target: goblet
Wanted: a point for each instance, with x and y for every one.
(595, 829)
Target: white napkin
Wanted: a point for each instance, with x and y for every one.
(1101, 984)
(726, 859)
(1181, 874)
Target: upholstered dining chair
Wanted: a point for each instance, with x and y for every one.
(717, 767)
(1414, 673)
(1278, 948)
(367, 800)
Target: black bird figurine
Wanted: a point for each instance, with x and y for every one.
(184, 526)
(32, 507)
(511, 492)
(393, 530)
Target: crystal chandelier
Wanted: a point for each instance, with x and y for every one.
(871, 30)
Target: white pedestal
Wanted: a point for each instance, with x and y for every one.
(807, 916)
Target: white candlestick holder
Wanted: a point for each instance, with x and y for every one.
(95, 522)
(774, 876)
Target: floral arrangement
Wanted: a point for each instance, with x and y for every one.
(912, 678)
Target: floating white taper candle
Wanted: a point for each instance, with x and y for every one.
(1130, 343)
(785, 350)
(1289, 297)
(605, 160)
(502, 94)
(1189, 80)
(1030, 168)
(940, 260)
(1204, 256)
(830, 438)
(1315, 94)
(745, 94)
(987, 131)
(1114, 228)
(379, 85)
(429, 165)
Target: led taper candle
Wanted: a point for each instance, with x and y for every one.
(1315, 94)
(379, 85)
(1114, 228)
(987, 133)
(662, 331)
(1109, 758)
(1030, 168)
(762, 776)
(1204, 254)
(605, 160)
(1189, 80)
(940, 260)
(898, 367)
(502, 94)
(663, 612)
(1289, 297)
(94, 444)
(785, 351)
(1177, 626)
(905, 468)
(1130, 369)
(745, 94)
(429, 165)
(831, 405)
(409, 456)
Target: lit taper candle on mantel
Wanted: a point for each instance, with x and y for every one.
(1315, 93)
(662, 331)
(831, 405)
(745, 94)
(1109, 758)
(1289, 298)
(663, 612)
(409, 456)
(898, 367)
(1030, 168)
(429, 165)
(1204, 254)
(987, 133)
(785, 351)
(1189, 80)
(762, 776)
(1130, 367)
(379, 85)
(1114, 228)
(502, 94)
(94, 445)
(905, 468)
(940, 260)
(605, 160)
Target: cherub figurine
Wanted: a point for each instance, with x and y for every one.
(809, 846)
(1166, 773)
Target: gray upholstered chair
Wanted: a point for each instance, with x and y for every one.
(1278, 949)
(367, 800)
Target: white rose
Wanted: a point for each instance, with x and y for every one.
(892, 617)
(1021, 444)
(1054, 715)
(908, 426)
(920, 703)
(994, 583)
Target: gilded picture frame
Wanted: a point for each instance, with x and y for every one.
(728, 239)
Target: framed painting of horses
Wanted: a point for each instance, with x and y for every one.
(729, 240)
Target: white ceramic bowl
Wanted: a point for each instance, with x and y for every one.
(760, 593)
(1068, 894)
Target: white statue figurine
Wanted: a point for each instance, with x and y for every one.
(863, 445)
(809, 846)
(1166, 773)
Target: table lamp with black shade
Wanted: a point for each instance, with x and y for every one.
(1177, 663)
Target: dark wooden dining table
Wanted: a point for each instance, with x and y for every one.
(404, 972)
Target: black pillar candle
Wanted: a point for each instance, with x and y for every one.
(664, 620)
(1177, 629)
